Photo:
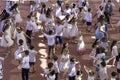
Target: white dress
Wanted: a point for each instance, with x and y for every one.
(103, 72)
(74, 31)
(18, 18)
(21, 36)
(42, 16)
(64, 64)
(58, 11)
(17, 54)
(44, 1)
(66, 30)
(6, 35)
(33, 23)
(114, 51)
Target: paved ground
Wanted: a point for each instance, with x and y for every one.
(9, 65)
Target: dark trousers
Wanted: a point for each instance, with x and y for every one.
(29, 33)
(107, 16)
(72, 78)
(56, 76)
(25, 74)
(50, 49)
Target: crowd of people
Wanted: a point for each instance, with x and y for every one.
(59, 26)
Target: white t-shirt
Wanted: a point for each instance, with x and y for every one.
(114, 51)
(67, 11)
(51, 77)
(59, 29)
(29, 25)
(25, 62)
(73, 70)
(50, 39)
(88, 16)
(99, 13)
(55, 64)
(32, 55)
(118, 65)
(58, 10)
(91, 77)
(112, 79)
(1, 76)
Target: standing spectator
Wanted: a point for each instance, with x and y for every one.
(25, 66)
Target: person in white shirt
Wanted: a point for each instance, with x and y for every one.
(48, 70)
(67, 9)
(114, 50)
(91, 74)
(51, 42)
(25, 66)
(72, 69)
(58, 9)
(113, 75)
(88, 18)
(55, 65)
(59, 32)
(32, 56)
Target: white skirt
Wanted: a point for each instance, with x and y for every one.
(73, 32)
(18, 18)
(63, 66)
(66, 31)
(35, 27)
(6, 44)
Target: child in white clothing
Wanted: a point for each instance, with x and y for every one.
(90, 73)
(32, 56)
(113, 75)
(55, 65)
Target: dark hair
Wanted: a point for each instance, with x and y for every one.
(55, 58)
(48, 12)
(112, 44)
(52, 72)
(59, 3)
(91, 73)
(21, 42)
(50, 32)
(4, 15)
(64, 46)
(31, 47)
(6, 26)
(113, 74)
(95, 43)
(26, 52)
(103, 63)
(72, 59)
(50, 65)
(79, 72)
(43, 8)
(14, 6)
(89, 9)
(74, 5)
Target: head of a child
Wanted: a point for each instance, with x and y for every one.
(103, 64)
(50, 32)
(79, 73)
(113, 74)
(65, 51)
(55, 58)
(91, 73)
(20, 42)
(50, 65)
(19, 29)
(26, 52)
(72, 60)
(74, 5)
(89, 9)
(31, 47)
